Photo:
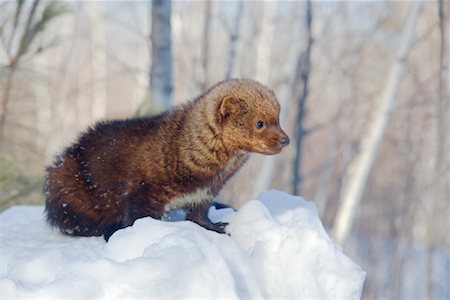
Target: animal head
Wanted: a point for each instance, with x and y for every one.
(248, 113)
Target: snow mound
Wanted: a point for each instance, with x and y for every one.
(277, 248)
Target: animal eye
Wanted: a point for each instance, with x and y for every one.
(259, 124)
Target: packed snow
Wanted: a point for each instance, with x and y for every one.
(277, 248)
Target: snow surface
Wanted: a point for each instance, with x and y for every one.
(277, 248)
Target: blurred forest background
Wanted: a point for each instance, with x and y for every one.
(364, 89)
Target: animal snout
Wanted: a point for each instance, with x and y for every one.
(284, 140)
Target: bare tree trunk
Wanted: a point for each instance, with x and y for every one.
(205, 50)
(161, 68)
(358, 171)
(5, 100)
(300, 91)
(43, 104)
(98, 61)
(408, 211)
(234, 37)
(263, 66)
(264, 46)
(21, 41)
(439, 165)
(325, 175)
(14, 61)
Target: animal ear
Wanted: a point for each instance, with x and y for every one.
(228, 106)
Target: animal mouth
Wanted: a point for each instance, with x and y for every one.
(272, 149)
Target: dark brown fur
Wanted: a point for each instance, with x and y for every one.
(120, 171)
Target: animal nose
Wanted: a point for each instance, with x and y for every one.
(284, 141)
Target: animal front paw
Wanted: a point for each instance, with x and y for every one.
(218, 227)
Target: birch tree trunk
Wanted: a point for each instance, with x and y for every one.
(234, 37)
(358, 170)
(161, 67)
(98, 61)
(205, 46)
(263, 66)
(43, 104)
(265, 41)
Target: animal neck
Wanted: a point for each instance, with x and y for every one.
(202, 135)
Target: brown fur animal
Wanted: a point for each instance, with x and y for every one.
(120, 171)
